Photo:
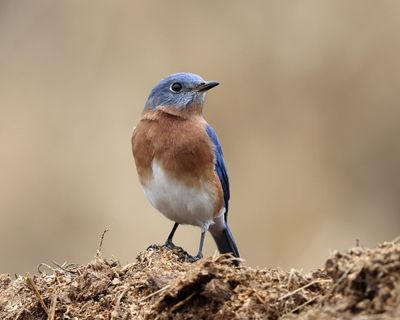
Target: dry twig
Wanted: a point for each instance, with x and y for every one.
(101, 241)
(182, 302)
(301, 288)
(53, 307)
(154, 293)
(31, 285)
(304, 304)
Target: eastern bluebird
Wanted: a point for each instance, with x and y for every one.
(179, 160)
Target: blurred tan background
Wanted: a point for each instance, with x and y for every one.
(308, 113)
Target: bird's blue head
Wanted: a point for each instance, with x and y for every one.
(179, 90)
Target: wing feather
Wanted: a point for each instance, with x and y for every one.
(220, 167)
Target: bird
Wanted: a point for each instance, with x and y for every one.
(180, 163)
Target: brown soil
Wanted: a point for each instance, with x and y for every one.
(358, 284)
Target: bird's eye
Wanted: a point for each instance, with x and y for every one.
(176, 87)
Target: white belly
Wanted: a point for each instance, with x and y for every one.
(179, 203)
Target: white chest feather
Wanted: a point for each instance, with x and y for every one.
(178, 202)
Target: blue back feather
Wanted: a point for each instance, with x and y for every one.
(220, 167)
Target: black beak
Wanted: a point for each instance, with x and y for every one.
(207, 86)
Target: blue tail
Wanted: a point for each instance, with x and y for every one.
(225, 242)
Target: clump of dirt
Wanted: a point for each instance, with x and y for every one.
(162, 284)
(364, 282)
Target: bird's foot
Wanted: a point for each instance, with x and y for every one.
(195, 258)
(169, 244)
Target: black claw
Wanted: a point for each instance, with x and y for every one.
(169, 244)
(194, 258)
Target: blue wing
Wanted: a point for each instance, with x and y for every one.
(220, 166)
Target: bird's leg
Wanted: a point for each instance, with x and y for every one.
(200, 252)
(169, 243)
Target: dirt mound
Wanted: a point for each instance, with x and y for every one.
(359, 284)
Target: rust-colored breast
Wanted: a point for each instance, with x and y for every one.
(143, 151)
(180, 145)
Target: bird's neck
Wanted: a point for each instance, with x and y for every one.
(183, 113)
